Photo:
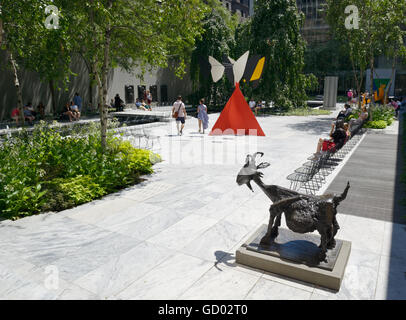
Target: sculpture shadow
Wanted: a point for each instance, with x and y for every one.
(225, 258)
(295, 251)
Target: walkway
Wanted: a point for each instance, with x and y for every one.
(374, 174)
(175, 235)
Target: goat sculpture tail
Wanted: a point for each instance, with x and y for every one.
(338, 199)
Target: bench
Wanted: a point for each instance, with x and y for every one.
(312, 174)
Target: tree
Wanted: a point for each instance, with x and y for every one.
(130, 33)
(275, 34)
(391, 20)
(31, 45)
(360, 24)
(216, 41)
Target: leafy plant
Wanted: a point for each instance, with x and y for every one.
(377, 124)
(51, 169)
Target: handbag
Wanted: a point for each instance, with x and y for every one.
(176, 113)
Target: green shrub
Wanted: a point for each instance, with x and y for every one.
(66, 193)
(379, 124)
(385, 113)
(52, 170)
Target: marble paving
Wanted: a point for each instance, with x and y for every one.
(174, 236)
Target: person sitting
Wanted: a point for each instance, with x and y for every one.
(258, 107)
(338, 137)
(345, 113)
(141, 105)
(29, 113)
(67, 113)
(15, 115)
(396, 105)
(147, 106)
(41, 110)
(138, 103)
(361, 119)
(75, 110)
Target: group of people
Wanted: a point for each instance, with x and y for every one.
(145, 102)
(353, 97)
(71, 111)
(341, 131)
(140, 104)
(179, 113)
(30, 113)
(255, 106)
(397, 104)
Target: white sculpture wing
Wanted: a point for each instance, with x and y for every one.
(239, 67)
(231, 60)
(217, 69)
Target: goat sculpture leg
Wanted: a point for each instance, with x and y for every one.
(325, 234)
(275, 212)
(332, 242)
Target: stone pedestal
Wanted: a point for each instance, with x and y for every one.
(296, 256)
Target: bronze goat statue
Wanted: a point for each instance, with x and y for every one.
(303, 213)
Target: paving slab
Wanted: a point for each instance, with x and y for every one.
(175, 235)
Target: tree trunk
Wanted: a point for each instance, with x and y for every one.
(53, 100)
(105, 71)
(90, 94)
(18, 88)
(1, 32)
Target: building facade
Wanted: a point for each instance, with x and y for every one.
(317, 31)
(243, 8)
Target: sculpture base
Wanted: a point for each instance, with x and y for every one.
(296, 256)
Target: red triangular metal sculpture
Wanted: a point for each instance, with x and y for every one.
(237, 118)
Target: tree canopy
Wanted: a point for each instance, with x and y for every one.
(274, 32)
(106, 33)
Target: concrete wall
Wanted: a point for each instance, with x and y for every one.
(36, 91)
(158, 77)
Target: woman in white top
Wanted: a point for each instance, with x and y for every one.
(179, 108)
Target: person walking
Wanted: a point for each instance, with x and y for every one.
(179, 112)
(350, 95)
(202, 116)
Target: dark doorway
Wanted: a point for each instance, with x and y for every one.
(141, 90)
(164, 94)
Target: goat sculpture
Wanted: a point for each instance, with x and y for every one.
(303, 213)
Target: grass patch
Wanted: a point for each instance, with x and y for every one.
(51, 171)
(304, 112)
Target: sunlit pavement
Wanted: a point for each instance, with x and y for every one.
(174, 236)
